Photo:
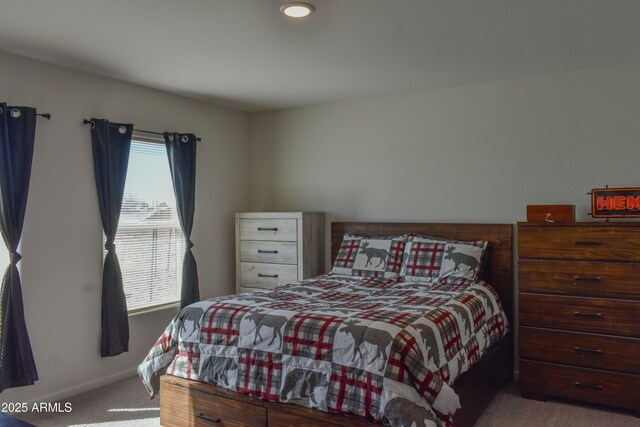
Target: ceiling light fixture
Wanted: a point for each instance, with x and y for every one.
(297, 9)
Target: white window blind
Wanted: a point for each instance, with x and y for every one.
(149, 241)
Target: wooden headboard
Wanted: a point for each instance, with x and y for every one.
(499, 268)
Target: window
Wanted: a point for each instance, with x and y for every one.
(149, 242)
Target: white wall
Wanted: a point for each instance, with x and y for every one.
(62, 239)
(477, 153)
(474, 153)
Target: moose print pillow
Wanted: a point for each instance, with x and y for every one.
(462, 261)
(370, 257)
(424, 259)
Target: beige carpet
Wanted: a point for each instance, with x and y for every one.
(508, 409)
(122, 404)
(127, 404)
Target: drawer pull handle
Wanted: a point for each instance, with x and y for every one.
(260, 251)
(591, 315)
(588, 350)
(587, 385)
(214, 420)
(587, 278)
(267, 228)
(275, 276)
(586, 243)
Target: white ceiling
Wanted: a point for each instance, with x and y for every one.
(245, 54)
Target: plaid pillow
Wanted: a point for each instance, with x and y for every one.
(370, 256)
(424, 257)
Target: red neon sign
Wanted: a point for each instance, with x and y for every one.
(615, 202)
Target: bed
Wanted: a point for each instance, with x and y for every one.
(363, 370)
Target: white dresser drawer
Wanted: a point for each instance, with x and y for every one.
(261, 275)
(269, 252)
(269, 229)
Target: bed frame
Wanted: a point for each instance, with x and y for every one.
(190, 403)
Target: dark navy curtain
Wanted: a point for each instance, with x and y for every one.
(17, 136)
(111, 144)
(181, 151)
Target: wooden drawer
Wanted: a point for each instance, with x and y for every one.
(578, 349)
(580, 314)
(268, 229)
(591, 385)
(180, 398)
(593, 279)
(182, 407)
(260, 275)
(592, 243)
(269, 252)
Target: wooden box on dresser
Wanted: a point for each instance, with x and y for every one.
(273, 248)
(579, 312)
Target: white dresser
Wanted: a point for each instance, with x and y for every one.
(274, 248)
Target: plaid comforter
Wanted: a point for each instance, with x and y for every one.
(377, 349)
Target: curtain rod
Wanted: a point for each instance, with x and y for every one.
(45, 115)
(87, 122)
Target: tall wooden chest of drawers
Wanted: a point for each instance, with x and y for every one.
(579, 312)
(273, 248)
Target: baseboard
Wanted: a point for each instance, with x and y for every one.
(84, 387)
